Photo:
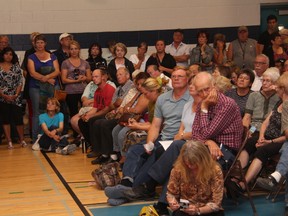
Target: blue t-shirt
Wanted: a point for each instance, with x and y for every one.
(54, 121)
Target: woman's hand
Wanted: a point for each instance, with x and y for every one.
(178, 136)
(191, 210)
(132, 124)
(44, 79)
(262, 142)
(82, 78)
(51, 81)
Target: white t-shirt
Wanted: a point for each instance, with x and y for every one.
(134, 59)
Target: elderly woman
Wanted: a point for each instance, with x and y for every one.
(202, 53)
(95, 58)
(43, 68)
(260, 104)
(120, 50)
(75, 74)
(270, 138)
(11, 82)
(196, 182)
(220, 53)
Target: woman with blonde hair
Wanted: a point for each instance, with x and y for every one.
(75, 74)
(120, 50)
(196, 182)
(51, 123)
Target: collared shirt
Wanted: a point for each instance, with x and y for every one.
(182, 49)
(170, 110)
(122, 91)
(222, 123)
(257, 84)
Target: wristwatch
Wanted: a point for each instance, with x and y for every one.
(204, 111)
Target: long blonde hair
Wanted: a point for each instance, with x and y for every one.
(196, 153)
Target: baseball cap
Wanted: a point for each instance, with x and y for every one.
(242, 28)
(64, 35)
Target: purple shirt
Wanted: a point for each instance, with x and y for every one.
(222, 123)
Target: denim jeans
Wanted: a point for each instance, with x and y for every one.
(282, 166)
(34, 96)
(135, 159)
(118, 134)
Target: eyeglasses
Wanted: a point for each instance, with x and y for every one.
(244, 77)
(178, 77)
(261, 63)
(267, 81)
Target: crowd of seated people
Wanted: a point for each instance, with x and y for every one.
(205, 94)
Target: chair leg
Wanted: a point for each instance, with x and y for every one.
(281, 184)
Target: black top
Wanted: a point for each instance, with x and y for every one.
(168, 61)
(96, 63)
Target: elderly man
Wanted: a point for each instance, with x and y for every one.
(213, 124)
(179, 50)
(242, 50)
(4, 42)
(261, 64)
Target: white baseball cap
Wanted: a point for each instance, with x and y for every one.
(64, 35)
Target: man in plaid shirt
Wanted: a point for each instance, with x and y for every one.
(218, 119)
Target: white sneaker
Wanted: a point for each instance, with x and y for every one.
(10, 145)
(58, 150)
(68, 149)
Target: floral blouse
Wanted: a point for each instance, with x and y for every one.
(198, 194)
(9, 82)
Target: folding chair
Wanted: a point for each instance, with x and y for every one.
(236, 170)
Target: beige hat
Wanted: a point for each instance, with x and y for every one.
(242, 28)
(64, 35)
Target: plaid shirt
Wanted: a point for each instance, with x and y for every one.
(222, 123)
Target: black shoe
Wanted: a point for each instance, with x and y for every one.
(100, 160)
(267, 183)
(139, 193)
(110, 160)
(92, 155)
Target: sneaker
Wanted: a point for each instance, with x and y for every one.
(267, 183)
(100, 160)
(10, 145)
(117, 202)
(23, 144)
(139, 193)
(116, 192)
(68, 149)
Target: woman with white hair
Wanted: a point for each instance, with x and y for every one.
(268, 142)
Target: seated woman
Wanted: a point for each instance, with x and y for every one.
(52, 125)
(196, 182)
(269, 141)
(260, 104)
(220, 53)
(137, 105)
(139, 60)
(11, 82)
(95, 58)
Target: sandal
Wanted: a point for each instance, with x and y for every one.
(10, 145)
(23, 144)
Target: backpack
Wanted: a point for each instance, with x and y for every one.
(106, 175)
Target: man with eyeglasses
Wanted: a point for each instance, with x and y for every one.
(261, 64)
(165, 125)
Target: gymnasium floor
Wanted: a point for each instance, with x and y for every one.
(33, 183)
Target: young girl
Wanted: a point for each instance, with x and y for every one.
(52, 125)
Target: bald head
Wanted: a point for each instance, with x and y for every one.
(203, 83)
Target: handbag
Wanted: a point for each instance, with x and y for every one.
(106, 175)
(227, 159)
(133, 137)
(123, 120)
(60, 94)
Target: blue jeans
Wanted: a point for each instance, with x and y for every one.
(118, 134)
(282, 166)
(135, 159)
(34, 96)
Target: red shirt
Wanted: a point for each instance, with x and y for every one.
(103, 97)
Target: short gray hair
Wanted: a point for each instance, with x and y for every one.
(273, 73)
